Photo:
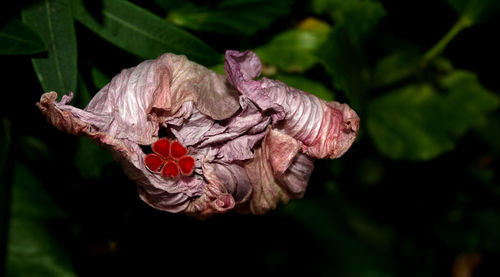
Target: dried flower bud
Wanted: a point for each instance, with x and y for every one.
(231, 142)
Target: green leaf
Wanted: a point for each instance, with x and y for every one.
(395, 67)
(99, 78)
(357, 17)
(475, 11)
(402, 124)
(86, 150)
(468, 101)
(242, 17)
(219, 68)
(53, 21)
(18, 39)
(83, 98)
(168, 5)
(342, 53)
(308, 85)
(142, 33)
(35, 231)
(29, 198)
(418, 123)
(293, 50)
(346, 64)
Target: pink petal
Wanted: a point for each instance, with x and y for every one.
(326, 129)
(275, 174)
(251, 142)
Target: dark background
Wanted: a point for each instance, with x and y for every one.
(68, 210)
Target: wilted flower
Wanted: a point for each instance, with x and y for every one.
(229, 142)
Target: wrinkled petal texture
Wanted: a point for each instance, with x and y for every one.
(253, 141)
(325, 129)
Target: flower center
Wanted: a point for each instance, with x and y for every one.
(169, 159)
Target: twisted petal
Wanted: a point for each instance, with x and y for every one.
(325, 129)
(138, 98)
(277, 172)
(253, 141)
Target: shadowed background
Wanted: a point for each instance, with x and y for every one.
(416, 195)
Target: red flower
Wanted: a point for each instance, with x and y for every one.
(169, 158)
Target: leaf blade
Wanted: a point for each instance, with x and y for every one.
(85, 149)
(16, 38)
(53, 21)
(342, 53)
(245, 17)
(142, 33)
(293, 50)
(418, 122)
(34, 245)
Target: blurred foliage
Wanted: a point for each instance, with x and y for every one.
(5, 182)
(342, 54)
(417, 122)
(85, 149)
(475, 11)
(35, 229)
(293, 50)
(140, 32)
(230, 17)
(16, 39)
(417, 195)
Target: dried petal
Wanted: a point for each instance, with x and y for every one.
(326, 129)
(251, 142)
(270, 181)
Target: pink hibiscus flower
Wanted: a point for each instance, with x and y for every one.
(230, 142)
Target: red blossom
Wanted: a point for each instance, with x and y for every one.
(169, 158)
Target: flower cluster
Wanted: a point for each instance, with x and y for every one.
(169, 158)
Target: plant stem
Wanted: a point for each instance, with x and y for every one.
(462, 23)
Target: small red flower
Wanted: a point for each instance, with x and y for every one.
(169, 158)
